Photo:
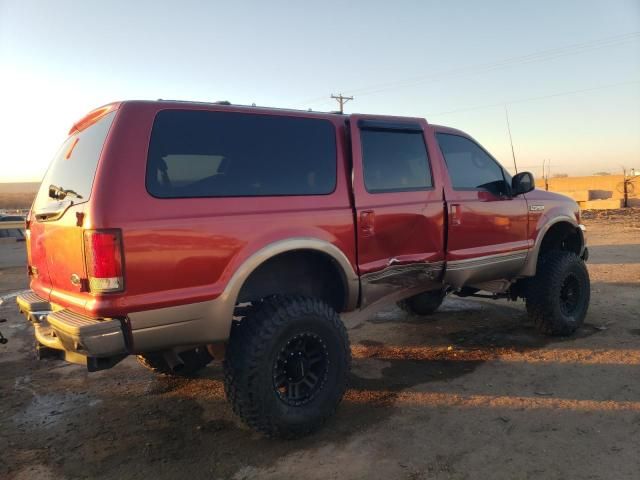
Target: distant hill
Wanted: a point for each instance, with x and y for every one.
(19, 187)
(18, 195)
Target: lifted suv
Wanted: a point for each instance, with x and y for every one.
(168, 230)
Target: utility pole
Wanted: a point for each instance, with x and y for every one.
(625, 186)
(341, 100)
(546, 179)
(546, 172)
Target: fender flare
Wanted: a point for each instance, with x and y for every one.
(227, 300)
(529, 269)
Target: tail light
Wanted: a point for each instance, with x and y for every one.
(103, 256)
(27, 238)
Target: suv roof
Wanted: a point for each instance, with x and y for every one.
(225, 105)
(234, 106)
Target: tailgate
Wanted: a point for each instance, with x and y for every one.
(56, 258)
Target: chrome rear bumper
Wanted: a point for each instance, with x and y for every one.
(94, 342)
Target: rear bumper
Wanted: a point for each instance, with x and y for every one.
(95, 342)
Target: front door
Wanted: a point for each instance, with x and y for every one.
(399, 207)
(487, 227)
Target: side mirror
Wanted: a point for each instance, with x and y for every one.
(522, 183)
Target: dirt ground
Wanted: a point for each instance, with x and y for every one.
(475, 392)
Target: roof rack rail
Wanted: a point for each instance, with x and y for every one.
(253, 105)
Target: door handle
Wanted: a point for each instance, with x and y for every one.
(367, 221)
(455, 214)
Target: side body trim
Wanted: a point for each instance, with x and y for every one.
(486, 260)
(460, 273)
(210, 321)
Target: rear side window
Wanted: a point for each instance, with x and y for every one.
(394, 161)
(222, 154)
(470, 167)
(74, 166)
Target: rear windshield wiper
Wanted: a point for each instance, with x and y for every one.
(53, 211)
(59, 193)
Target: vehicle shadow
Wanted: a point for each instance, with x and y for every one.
(129, 423)
(614, 254)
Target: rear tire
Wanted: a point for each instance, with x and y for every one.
(558, 296)
(193, 360)
(287, 365)
(424, 303)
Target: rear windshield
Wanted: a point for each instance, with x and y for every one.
(223, 154)
(74, 166)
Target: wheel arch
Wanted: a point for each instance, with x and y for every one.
(563, 233)
(261, 265)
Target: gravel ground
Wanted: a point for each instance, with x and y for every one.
(473, 393)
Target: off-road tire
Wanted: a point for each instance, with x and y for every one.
(254, 362)
(194, 361)
(558, 296)
(422, 304)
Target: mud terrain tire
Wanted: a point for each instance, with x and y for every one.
(287, 365)
(558, 296)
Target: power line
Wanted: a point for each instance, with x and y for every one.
(543, 55)
(529, 99)
(525, 59)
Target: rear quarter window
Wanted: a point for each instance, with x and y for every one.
(196, 153)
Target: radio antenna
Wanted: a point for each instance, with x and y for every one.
(513, 153)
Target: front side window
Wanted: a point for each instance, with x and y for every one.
(195, 153)
(394, 161)
(470, 167)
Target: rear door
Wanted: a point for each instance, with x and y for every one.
(56, 219)
(487, 227)
(399, 206)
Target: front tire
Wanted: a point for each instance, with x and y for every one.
(287, 365)
(558, 296)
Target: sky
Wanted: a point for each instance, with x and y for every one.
(568, 72)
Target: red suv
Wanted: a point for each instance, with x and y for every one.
(170, 230)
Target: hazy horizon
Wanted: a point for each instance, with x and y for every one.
(569, 72)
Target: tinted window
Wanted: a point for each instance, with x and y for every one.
(394, 161)
(220, 154)
(74, 166)
(469, 165)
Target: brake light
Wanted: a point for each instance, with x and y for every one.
(92, 117)
(103, 257)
